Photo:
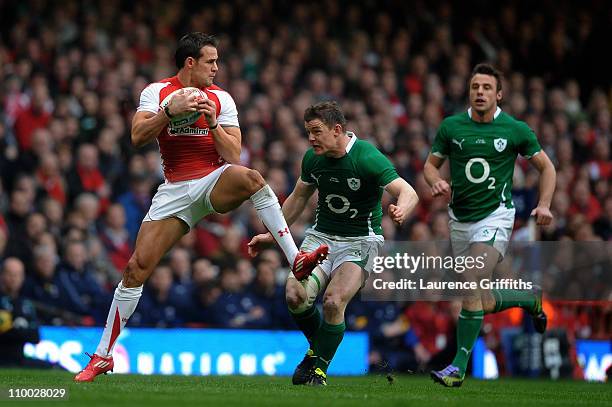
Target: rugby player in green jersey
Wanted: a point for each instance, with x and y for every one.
(351, 175)
(482, 145)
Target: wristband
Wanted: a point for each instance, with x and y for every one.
(213, 127)
(167, 112)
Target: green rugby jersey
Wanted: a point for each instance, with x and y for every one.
(350, 188)
(482, 157)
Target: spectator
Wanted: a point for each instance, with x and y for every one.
(55, 297)
(18, 322)
(136, 202)
(16, 219)
(116, 238)
(584, 202)
(86, 175)
(159, 307)
(50, 178)
(36, 116)
(180, 264)
(234, 308)
(76, 268)
(270, 297)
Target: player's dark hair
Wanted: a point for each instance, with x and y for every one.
(189, 46)
(486, 69)
(328, 112)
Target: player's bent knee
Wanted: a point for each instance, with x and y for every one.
(333, 304)
(297, 303)
(297, 300)
(472, 303)
(135, 273)
(255, 181)
(488, 302)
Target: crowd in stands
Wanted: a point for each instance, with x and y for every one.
(73, 190)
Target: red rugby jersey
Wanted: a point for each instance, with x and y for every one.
(188, 152)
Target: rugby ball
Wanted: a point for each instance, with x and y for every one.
(185, 119)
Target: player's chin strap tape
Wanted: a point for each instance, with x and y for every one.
(314, 284)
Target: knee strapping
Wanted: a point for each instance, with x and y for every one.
(313, 286)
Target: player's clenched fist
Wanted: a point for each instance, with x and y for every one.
(209, 108)
(543, 215)
(397, 214)
(440, 188)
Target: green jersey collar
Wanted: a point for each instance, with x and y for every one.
(497, 112)
(351, 142)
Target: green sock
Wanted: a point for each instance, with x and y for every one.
(309, 322)
(505, 299)
(468, 328)
(326, 343)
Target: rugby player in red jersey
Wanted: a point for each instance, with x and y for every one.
(203, 175)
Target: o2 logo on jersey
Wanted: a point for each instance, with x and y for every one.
(486, 170)
(345, 205)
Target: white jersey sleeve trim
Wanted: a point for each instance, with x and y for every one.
(149, 98)
(228, 116)
(529, 157)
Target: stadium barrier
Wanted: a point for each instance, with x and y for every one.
(548, 356)
(196, 351)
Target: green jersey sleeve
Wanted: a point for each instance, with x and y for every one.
(440, 147)
(307, 165)
(528, 144)
(378, 167)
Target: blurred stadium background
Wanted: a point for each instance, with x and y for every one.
(73, 191)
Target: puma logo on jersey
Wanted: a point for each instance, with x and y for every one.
(467, 352)
(459, 143)
(315, 178)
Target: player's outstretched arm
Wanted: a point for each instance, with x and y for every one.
(407, 200)
(432, 175)
(292, 208)
(548, 180)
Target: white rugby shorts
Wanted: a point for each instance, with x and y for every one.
(187, 200)
(494, 230)
(359, 250)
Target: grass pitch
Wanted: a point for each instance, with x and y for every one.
(227, 391)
